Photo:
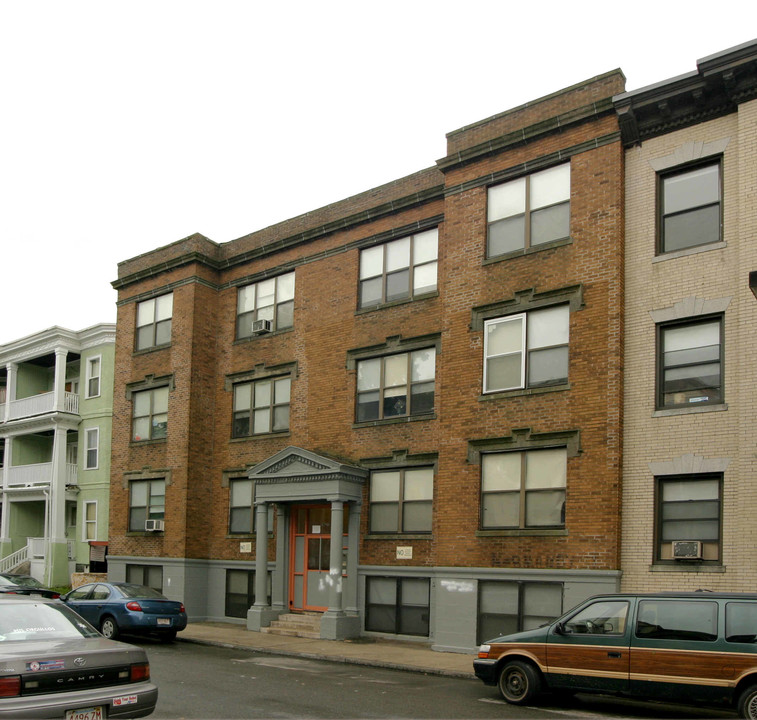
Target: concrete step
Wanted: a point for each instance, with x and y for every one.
(295, 625)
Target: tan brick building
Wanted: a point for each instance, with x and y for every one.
(430, 371)
(690, 380)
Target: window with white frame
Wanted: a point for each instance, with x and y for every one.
(93, 376)
(401, 500)
(154, 318)
(396, 385)
(92, 439)
(147, 501)
(90, 520)
(270, 300)
(689, 510)
(526, 350)
(690, 207)
(150, 414)
(399, 269)
(261, 407)
(530, 211)
(690, 363)
(521, 490)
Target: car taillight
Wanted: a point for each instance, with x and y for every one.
(56, 596)
(483, 651)
(10, 686)
(181, 608)
(134, 605)
(140, 672)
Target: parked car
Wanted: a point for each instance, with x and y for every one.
(698, 647)
(54, 664)
(121, 607)
(24, 585)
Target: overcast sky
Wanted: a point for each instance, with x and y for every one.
(125, 126)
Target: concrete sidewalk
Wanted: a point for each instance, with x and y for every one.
(392, 654)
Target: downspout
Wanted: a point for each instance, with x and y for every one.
(47, 536)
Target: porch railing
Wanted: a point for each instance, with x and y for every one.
(39, 405)
(10, 561)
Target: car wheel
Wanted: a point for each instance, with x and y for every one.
(109, 628)
(519, 682)
(168, 636)
(747, 704)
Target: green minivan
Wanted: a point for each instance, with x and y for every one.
(692, 648)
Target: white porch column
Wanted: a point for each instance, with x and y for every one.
(58, 487)
(6, 514)
(10, 389)
(335, 557)
(261, 554)
(59, 403)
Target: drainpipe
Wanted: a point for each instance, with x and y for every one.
(47, 537)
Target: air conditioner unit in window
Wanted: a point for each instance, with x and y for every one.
(687, 550)
(154, 525)
(259, 327)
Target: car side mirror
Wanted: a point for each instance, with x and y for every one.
(560, 629)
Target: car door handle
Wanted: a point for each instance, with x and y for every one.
(614, 654)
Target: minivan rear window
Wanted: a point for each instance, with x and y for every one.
(741, 622)
(677, 620)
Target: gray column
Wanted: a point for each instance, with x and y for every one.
(353, 546)
(335, 558)
(261, 554)
(278, 589)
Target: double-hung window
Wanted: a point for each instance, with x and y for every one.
(401, 500)
(690, 363)
(529, 211)
(689, 511)
(90, 521)
(92, 438)
(397, 605)
(396, 385)
(241, 508)
(526, 350)
(690, 207)
(154, 322)
(266, 305)
(521, 490)
(399, 269)
(150, 414)
(261, 407)
(147, 501)
(93, 377)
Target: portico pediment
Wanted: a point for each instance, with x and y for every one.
(298, 475)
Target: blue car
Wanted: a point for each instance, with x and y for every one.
(120, 607)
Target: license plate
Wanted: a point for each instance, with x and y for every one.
(90, 713)
(164, 621)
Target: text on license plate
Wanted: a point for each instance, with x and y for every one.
(164, 621)
(90, 713)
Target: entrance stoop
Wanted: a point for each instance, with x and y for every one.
(304, 625)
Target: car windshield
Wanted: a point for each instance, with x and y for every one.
(27, 581)
(139, 591)
(21, 622)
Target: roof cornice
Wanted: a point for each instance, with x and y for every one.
(719, 84)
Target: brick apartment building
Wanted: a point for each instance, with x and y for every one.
(689, 498)
(401, 411)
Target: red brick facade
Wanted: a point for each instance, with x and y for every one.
(577, 125)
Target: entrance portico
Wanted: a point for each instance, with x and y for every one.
(318, 503)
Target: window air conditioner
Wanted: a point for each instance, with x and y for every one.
(687, 550)
(261, 326)
(154, 525)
